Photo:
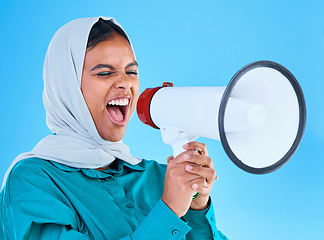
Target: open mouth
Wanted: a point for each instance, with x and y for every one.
(117, 110)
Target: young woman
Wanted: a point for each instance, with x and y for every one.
(82, 182)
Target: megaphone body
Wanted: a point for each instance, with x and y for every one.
(259, 117)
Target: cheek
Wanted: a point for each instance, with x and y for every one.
(92, 93)
(136, 95)
(86, 88)
(136, 90)
(87, 94)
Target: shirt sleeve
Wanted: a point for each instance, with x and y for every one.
(36, 220)
(161, 223)
(39, 220)
(203, 224)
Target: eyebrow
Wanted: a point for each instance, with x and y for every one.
(132, 64)
(98, 66)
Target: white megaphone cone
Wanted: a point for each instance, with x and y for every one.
(259, 117)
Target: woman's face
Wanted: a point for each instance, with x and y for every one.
(110, 86)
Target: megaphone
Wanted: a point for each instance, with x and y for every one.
(259, 117)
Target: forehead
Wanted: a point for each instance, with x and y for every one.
(114, 50)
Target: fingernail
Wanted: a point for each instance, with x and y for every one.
(188, 167)
(187, 156)
(195, 186)
(186, 145)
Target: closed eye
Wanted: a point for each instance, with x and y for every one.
(132, 72)
(102, 74)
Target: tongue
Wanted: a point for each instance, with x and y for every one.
(115, 113)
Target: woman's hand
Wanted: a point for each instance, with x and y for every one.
(191, 171)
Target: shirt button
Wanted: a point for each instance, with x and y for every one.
(130, 205)
(212, 218)
(175, 233)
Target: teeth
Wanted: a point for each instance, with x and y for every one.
(119, 102)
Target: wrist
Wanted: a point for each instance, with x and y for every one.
(173, 209)
(201, 203)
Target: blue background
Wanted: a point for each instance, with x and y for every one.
(189, 43)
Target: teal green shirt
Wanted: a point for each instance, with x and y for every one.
(47, 200)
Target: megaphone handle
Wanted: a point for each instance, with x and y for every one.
(176, 139)
(177, 147)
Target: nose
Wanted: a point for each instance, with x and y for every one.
(123, 82)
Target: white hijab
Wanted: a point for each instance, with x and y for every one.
(76, 142)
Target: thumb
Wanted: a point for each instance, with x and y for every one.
(169, 159)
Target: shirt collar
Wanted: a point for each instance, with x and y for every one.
(119, 167)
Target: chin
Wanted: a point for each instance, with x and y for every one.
(112, 138)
